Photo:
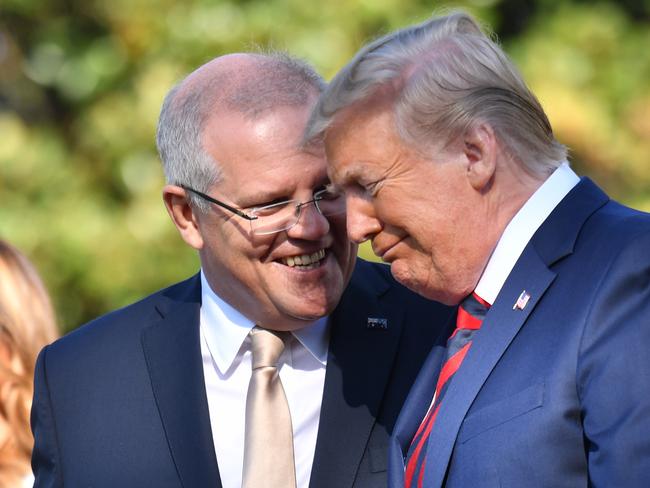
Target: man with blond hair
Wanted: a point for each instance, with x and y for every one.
(450, 167)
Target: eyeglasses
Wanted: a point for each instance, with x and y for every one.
(281, 216)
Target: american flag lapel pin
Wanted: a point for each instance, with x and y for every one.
(522, 301)
(377, 323)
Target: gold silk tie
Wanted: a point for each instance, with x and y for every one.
(268, 441)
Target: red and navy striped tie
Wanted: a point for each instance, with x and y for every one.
(470, 316)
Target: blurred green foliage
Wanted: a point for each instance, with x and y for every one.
(82, 81)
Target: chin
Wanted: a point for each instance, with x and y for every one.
(305, 308)
(402, 273)
(313, 312)
(422, 284)
(298, 321)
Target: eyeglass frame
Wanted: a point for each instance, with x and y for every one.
(315, 199)
(236, 211)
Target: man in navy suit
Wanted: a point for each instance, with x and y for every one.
(154, 395)
(450, 167)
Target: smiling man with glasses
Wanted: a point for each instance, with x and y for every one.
(282, 364)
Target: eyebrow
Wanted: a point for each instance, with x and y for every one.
(348, 174)
(262, 198)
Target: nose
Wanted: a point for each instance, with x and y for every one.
(361, 218)
(311, 225)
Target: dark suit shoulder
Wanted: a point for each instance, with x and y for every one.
(123, 326)
(621, 221)
(613, 229)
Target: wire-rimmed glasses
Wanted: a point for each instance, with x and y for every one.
(281, 216)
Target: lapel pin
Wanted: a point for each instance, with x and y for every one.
(377, 323)
(522, 301)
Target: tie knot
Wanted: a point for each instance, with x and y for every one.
(267, 346)
(471, 312)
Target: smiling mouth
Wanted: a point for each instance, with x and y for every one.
(305, 261)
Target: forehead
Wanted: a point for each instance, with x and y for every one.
(359, 137)
(267, 148)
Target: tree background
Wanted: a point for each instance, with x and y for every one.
(82, 81)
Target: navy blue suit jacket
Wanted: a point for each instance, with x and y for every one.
(557, 394)
(121, 402)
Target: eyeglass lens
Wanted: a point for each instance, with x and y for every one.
(283, 216)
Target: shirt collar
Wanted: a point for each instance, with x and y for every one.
(521, 228)
(225, 329)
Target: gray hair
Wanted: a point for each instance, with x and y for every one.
(445, 75)
(270, 81)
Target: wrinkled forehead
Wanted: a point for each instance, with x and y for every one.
(359, 135)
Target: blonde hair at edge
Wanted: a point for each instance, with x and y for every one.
(27, 323)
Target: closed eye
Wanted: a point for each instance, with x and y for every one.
(373, 188)
(270, 203)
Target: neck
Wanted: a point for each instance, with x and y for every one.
(511, 189)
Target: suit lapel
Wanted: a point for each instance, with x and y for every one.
(358, 368)
(500, 326)
(553, 240)
(173, 354)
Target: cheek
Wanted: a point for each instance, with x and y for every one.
(337, 224)
(399, 209)
(347, 261)
(338, 230)
(258, 248)
(339, 275)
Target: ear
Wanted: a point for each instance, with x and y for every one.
(182, 214)
(480, 148)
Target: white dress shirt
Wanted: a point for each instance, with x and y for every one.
(225, 349)
(521, 228)
(28, 481)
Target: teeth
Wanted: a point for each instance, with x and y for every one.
(305, 260)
